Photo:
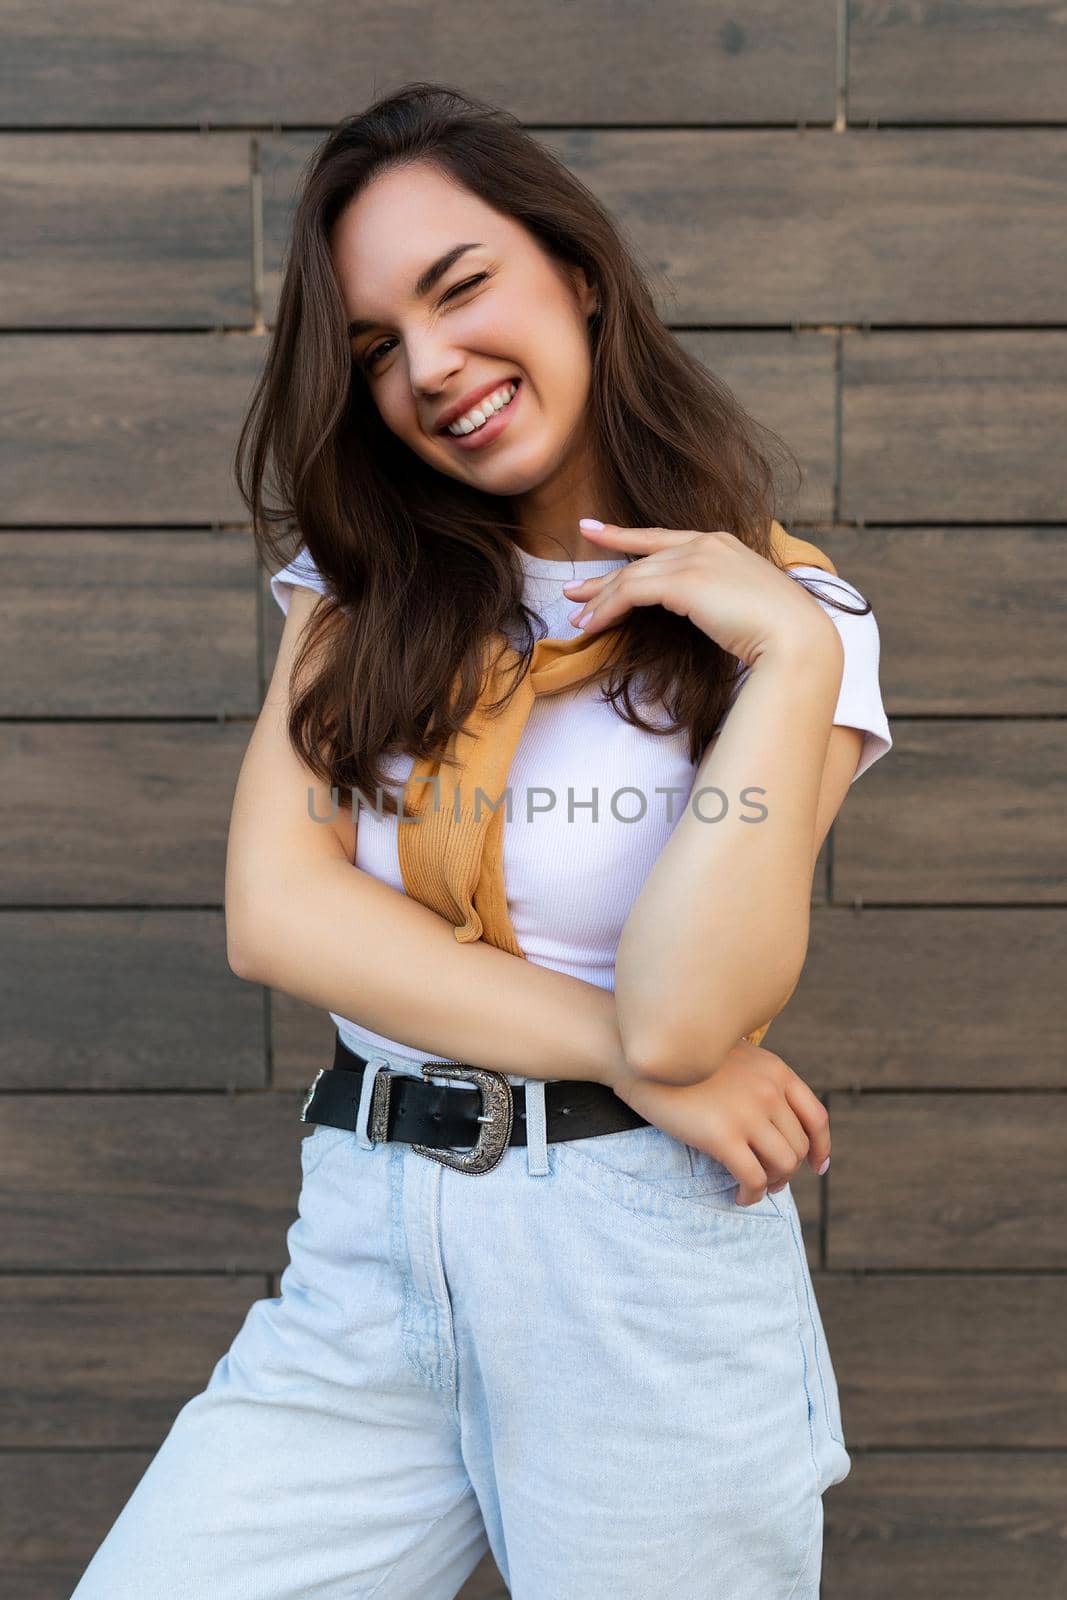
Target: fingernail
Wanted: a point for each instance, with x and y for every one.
(576, 614)
(591, 522)
(824, 1166)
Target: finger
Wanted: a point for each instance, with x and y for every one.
(776, 1154)
(751, 1180)
(815, 1118)
(630, 586)
(642, 540)
(585, 587)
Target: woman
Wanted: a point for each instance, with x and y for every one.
(561, 1309)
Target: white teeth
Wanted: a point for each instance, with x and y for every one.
(478, 415)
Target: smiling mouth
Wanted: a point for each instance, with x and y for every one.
(446, 431)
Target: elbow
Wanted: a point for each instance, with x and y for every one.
(239, 959)
(689, 1057)
(242, 950)
(667, 1060)
(670, 1067)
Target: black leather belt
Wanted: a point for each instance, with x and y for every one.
(432, 1117)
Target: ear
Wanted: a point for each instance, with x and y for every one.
(587, 294)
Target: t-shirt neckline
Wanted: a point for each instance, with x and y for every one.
(539, 567)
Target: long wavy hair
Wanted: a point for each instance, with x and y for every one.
(422, 569)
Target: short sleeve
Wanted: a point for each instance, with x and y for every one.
(859, 702)
(300, 573)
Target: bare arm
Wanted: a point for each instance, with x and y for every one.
(301, 918)
(717, 938)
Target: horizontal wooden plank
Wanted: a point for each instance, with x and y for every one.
(951, 427)
(772, 62)
(129, 624)
(127, 428)
(928, 997)
(125, 1000)
(152, 1182)
(966, 1523)
(947, 1180)
(951, 1360)
(986, 61)
(302, 1040)
(937, 1360)
(954, 427)
(145, 823)
(959, 811)
(787, 382)
(970, 619)
(56, 1506)
(101, 1362)
(106, 230)
(969, 1524)
(767, 226)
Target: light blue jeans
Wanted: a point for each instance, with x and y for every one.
(590, 1360)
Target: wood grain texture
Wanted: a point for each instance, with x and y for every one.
(771, 226)
(969, 1524)
(971, 619)
(954, 427)
(102, 1362)
(129, 624)
(126, 999)
(134, 428)
(150, 1182)
(986, 61)
(961, 1181)
(954, 1360)
(929, 997)
(128, 233)
(966, 811)
(205, 63)
(144, 823)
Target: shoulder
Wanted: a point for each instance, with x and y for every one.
(859, 701)
(300, 573)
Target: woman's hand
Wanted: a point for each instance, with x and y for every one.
(754, 1114)
(737, 597)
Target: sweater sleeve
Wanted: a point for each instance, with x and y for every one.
(859, 703)
(300, 573)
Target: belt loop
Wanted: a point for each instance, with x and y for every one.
(375, 1065)
(536, 1128)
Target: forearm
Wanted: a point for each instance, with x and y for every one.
(344, 941)
(716, 940)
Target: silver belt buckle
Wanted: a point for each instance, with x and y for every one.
(495, 1119)
(310, 1095)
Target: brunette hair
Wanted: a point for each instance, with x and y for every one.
(422, 569)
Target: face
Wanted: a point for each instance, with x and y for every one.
(501, 311)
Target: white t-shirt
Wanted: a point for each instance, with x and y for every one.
(573, 872)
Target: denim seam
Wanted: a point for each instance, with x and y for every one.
(443, 1307)
(798, 1247)
(402, 1264)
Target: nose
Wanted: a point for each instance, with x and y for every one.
(432, 372)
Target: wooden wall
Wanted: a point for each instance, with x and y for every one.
(857, 215)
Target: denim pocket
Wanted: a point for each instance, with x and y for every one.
(652, 1174)
(314, 1147)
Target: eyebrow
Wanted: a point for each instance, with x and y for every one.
(424, 283)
